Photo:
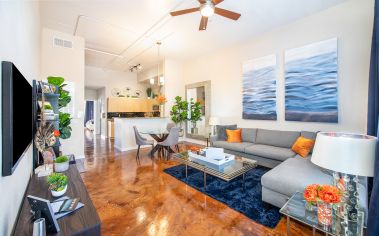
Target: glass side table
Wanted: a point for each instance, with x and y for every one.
(295, 209)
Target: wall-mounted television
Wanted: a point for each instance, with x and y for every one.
(16, 115)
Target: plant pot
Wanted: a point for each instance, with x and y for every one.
(60, 167)
(59, 193)
(194, 130)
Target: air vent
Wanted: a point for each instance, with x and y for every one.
(62, 43)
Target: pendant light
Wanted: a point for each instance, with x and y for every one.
(159, 76)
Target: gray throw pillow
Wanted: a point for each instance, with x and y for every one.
(221, 131)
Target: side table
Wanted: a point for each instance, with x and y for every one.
(295, 209)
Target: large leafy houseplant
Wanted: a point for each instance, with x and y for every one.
(195, 114)
(179, 111)
(64, 99)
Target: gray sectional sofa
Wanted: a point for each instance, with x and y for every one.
(290, 172)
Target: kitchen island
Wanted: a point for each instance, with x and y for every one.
(124, 139)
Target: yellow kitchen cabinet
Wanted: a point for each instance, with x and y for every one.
(131, 105)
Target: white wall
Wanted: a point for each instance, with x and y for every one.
(174, 83)
(351, 22)
(20, 44)
(90, 94)
(100, 77)
(68, 63)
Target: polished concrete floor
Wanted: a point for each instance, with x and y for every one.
(138, 198)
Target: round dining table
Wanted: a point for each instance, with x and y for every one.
(159, 135)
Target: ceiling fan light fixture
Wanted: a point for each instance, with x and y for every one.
(207, 9)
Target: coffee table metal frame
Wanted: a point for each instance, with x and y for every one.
(247, 164)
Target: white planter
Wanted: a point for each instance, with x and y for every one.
(59, 193)
(60, 167)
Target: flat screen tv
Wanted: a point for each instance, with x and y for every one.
(17, 116)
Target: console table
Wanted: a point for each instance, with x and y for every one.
(84, 221)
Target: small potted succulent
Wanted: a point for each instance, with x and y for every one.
(57, 184)
(61, 164)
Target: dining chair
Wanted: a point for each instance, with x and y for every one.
(141, 141)
(171, 140)
(169, 126)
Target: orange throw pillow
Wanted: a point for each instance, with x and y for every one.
(233, 136)
(303, 146)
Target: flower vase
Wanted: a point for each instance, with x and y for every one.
(310, 206)
(324, 214)
(161, 110)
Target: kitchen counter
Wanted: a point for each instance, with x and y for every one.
(124, 139)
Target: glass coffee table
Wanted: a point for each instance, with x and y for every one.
(295, 209)
(229, 171)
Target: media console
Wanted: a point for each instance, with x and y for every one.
(84, 221)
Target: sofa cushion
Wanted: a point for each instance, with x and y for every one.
(233, 136)
(272, 152)
(221, 131)
(294, 175)
(238, 147)
(310, 135)
(277, 138)
(249, 135)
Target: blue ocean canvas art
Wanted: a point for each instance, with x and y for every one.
(311, 82)
(259, 88)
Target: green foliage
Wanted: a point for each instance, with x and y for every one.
(64, 99)
(57, 181)
(149, 92)
(64, 96)
(64, 125)
(195, 108)
(179, 111)
(47, 107)
(61, 159)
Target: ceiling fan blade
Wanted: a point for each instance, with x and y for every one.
(186, 11)
(203, 23)
(201, 1)
(217, 1)
(227, 14)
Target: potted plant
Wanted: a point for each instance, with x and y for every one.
(57, 184)
(64, 99)
(179, 111)
(195, 114)
(149, 92)
(61, 164)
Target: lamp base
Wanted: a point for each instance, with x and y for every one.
(351, 217)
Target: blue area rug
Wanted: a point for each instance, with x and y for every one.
(247, 201)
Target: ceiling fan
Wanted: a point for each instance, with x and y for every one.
(208, 8)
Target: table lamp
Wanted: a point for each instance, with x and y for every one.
(352, 155)
(213, 121)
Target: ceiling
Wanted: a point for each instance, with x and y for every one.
(130, 28)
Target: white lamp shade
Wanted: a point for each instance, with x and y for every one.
(214, 121)
(352, 154)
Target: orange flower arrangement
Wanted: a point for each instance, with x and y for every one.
(310, 193)
(329, 194)
(322, 193)
(161, 99)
